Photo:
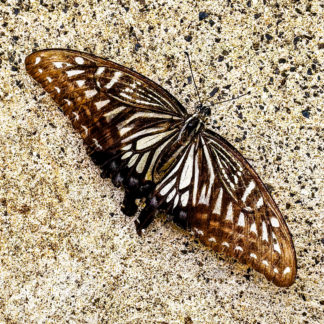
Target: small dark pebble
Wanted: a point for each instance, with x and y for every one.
(296, 40)
(306, 113)
(188, 38)
(203, 15)
(214, 91)
(299, 11)
(137, 46)
(282, 60)
(268, 37)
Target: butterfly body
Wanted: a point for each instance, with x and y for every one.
(145, 141)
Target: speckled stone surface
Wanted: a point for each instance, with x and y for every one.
(67, 254)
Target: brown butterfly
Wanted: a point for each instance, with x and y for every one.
(145, 141)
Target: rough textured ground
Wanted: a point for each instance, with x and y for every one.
(67, 254)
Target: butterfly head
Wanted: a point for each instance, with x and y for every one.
(204, 111)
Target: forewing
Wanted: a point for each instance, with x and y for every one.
(125, 119)
(213, 191)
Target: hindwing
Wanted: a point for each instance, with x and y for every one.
(213, 191)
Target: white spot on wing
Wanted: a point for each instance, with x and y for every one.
(195, 187)
(114, 79)
(248, 190)
(49, 79)
(259, 203)
(241, 221)
(167, 188)
(111, 114)
(141, 164)
(79, 60)
(40, 70)
(211, 171)
(132, 160)
(186, 174)
(123, 131)
(253, 228)
(76, 115)
(151, 140)
(97, 144)
(203, 199)
(68, 102)
(185, 198)
(276, 247)
(102, 103)
(229, 214)
(275, 270)
(146, 131)
(253, 255)
(126, 155)
(226, 244)
(265, 262)
(264, 232)
(58, 65)
(127, 147)
(287, 270)
(80, 83)
(37, 60)
(176, 200)
(239, 248)
(171, 195)
(218, 205)
(90, 93)
(100, 70)
(274, 222)
(212, 239)
(86, 131)
(198, 231)
(58, 90)
(74, 72)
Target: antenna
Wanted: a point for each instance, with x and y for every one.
(193, 78)
(249, 92)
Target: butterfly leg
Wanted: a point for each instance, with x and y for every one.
(145, 218)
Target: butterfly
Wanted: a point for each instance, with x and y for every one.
(145, 141)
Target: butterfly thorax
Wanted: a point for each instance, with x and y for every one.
(193, 125)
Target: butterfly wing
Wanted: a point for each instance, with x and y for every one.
(212, 190)
(126, 120)
(131, 127)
